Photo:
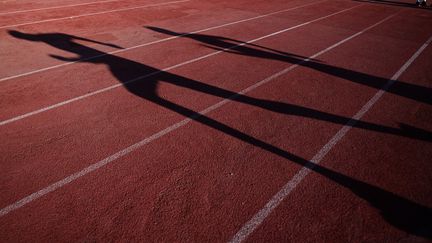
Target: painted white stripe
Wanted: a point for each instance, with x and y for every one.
(91, 14)
(55, 7)
(20, 117)
(274, 202)
(157, 41)
(155, 136)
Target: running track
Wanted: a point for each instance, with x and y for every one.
(180, 121)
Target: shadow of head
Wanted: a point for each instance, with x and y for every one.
(24, 36)
(58, 39)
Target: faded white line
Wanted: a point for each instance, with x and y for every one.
(91, 14)
(20, 117)
(55, 7)
(260, 216)
(157, 41)
(161, 133)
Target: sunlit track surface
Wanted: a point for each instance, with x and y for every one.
(70, 17)
(55, 7)
(203, 121)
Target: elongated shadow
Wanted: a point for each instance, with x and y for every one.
(396, 3)
(407, 90)
(398, 211)
(142, 80)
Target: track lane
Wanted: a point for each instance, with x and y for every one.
(156, 57)
(16, 5)
(20, 20)
(163, 200)
(379, 206)
(53, 7)
(400, 166)
(66, 127)
(124, 32)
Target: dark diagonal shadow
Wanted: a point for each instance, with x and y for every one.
(395, 3)
(398, 211)
(126, 71)
(407, 90)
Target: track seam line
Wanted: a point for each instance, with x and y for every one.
(156, 42)
(92, 14)
(47, 108)
(121, 153)
(251, 225)
(55, 7)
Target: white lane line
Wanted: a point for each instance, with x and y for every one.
(20, 117)
(91, 14)
(274, 202)
(157, 41)
(55, 7)
(163, 132)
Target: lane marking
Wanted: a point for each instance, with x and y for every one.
(91, 14)
(274, 202)
(55, 7)
(126, 151)
(20, 117)
(157, 41)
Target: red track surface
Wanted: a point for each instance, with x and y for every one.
(207, 179)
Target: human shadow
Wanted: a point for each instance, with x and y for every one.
(395, 3)
(407, 90)
(142, 80)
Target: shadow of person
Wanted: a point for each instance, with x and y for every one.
(142, 80)
(407, 90)
(64, 42)
(395, 3)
